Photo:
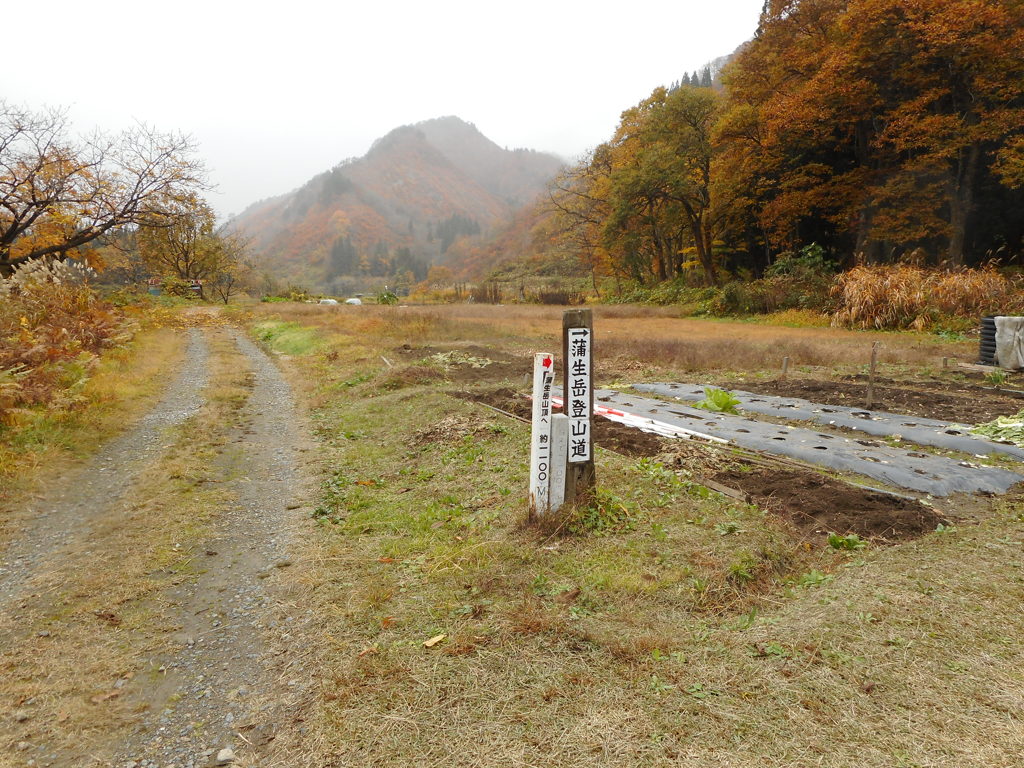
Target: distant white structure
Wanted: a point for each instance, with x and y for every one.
(328, 301)
(355, 302)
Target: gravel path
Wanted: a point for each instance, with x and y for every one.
(220, 689)
(52, 521)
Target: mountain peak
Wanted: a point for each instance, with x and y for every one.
(414, 185)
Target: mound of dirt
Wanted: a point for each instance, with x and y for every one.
(607, 434)
(469, 363)
(816, 504)
(970, 405)
(625, 440)
(451, 429)
(411, 376)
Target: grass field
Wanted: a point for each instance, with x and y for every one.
(665, 625)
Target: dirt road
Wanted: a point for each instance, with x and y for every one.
(143, 619)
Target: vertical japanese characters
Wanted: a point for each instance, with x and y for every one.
(577, 399)
(540, 446)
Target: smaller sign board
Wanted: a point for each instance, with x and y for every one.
(540, 445)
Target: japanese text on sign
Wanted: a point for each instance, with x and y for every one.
(540, 450)
(578, 399)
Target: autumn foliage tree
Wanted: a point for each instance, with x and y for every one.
(185, 244)
(644, 205)
(878, 122)
(59, 192)
(875, 128)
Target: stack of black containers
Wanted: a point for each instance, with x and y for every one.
(987, 354)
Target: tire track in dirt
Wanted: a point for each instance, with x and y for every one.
(221, 686)
(64, 514)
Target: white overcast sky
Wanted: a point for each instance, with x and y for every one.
(275, 93)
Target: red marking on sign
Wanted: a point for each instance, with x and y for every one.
(547, 362)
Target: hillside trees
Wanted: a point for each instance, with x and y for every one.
(59, 192)
(577, 207)
(875, 128)
(644, 203)
(878, 121)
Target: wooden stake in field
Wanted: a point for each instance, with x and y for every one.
(578, 395)
(785, 367)
(871, 376)
(540, 443)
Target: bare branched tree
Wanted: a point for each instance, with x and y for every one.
(59, 192)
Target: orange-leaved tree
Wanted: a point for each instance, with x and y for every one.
(59, 192)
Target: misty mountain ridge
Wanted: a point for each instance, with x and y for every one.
(398, 208)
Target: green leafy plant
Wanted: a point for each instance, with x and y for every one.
(813, 579)
(660, 686)
(849, 542)
(742, 569)
(387, 297)
(996, 378)
(701, 691)
(718, 400)
(607, 513)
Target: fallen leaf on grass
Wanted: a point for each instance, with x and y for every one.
(434, 640)
(386, 622)
(385, 559)
(101, 697)
(368, 651)
(568, 597)
(108, 616)
(62, 716)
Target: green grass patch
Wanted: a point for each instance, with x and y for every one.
(288, 338)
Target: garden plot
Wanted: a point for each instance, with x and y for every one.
(925, 473)
(932, 432)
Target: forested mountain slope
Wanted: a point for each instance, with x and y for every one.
(396, 210)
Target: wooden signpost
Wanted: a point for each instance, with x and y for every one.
(562, 445)
(578, 395)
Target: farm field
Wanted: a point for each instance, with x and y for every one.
(665, 624)
(328, 562)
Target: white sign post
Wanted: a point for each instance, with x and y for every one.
(578, 397)
(540, 444)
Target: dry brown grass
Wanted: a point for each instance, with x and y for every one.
(50, 335)
(98, 599)
(126, 381)
(636, 339)
(906, 296)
